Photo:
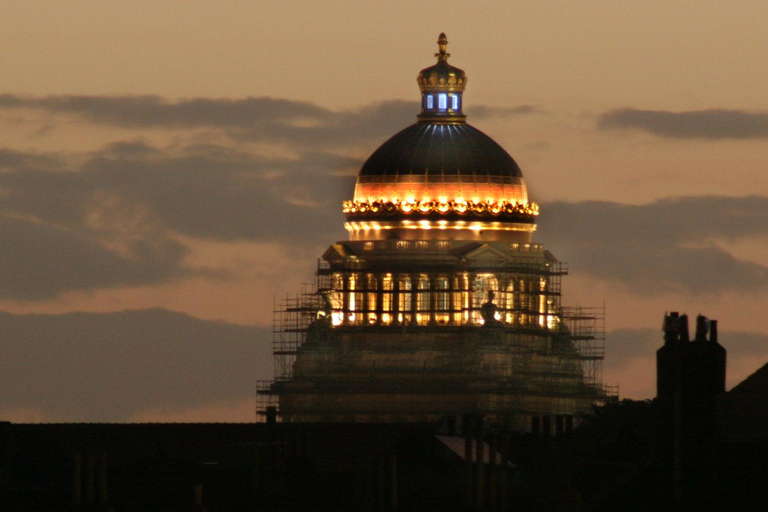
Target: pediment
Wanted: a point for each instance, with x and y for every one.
(487, 256)
(335, 254)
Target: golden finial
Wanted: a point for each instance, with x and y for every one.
(442, 43)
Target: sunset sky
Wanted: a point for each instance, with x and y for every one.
(169, 170)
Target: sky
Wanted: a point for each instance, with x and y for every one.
(170, 170)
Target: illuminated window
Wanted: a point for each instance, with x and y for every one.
(482, 285)
(422, 244)
(443, 244)
(404, 302)
(386, 299)
(455, 102)
(423, 300)
(370, 306)
(403, 244)
(443, 299)
(461, 298)
(355, 299)
(368, 246)
(423, 296)
(430, 102)
(336, 298)
(442, 101)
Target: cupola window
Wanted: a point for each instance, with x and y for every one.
(430, 102)
(455, 101)
(442, 101)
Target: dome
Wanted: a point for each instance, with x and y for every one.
(433, 161)
(440, 174)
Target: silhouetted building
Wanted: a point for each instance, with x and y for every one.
(439, 304)
(690, 378)
(238, 467)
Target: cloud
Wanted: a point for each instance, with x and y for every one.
(699, 124)
(667, 245)
(41, 261)
(151, 111)
(10, 159)
(483, 111)
(201, 191)
(114, 217)
(122, 366)
(264, 119)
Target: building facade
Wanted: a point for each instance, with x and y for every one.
(439, 304)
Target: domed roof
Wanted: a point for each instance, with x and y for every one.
(440, 174)
(441, 150)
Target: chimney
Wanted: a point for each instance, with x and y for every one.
(689, 377)
(671, 327)
(684, 336)
(701, 328)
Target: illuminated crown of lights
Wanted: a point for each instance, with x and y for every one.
(498, 210)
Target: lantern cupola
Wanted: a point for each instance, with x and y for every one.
(442, 86)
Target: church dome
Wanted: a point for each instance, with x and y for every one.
(440, 173)
(435, 161)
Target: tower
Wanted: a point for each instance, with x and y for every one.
(439, 304)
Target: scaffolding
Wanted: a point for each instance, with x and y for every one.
(291, 318)
(586, 330)
(573, 372)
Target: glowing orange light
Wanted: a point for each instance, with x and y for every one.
(512, 208)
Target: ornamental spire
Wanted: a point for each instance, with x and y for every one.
(442, 43)
(441, 87)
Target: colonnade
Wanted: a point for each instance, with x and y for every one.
(441, 298)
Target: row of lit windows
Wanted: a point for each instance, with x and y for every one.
(384, 299)
(407, 244)
(481, 285)
(443, 100)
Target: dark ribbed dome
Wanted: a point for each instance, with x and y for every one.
(434, 150)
